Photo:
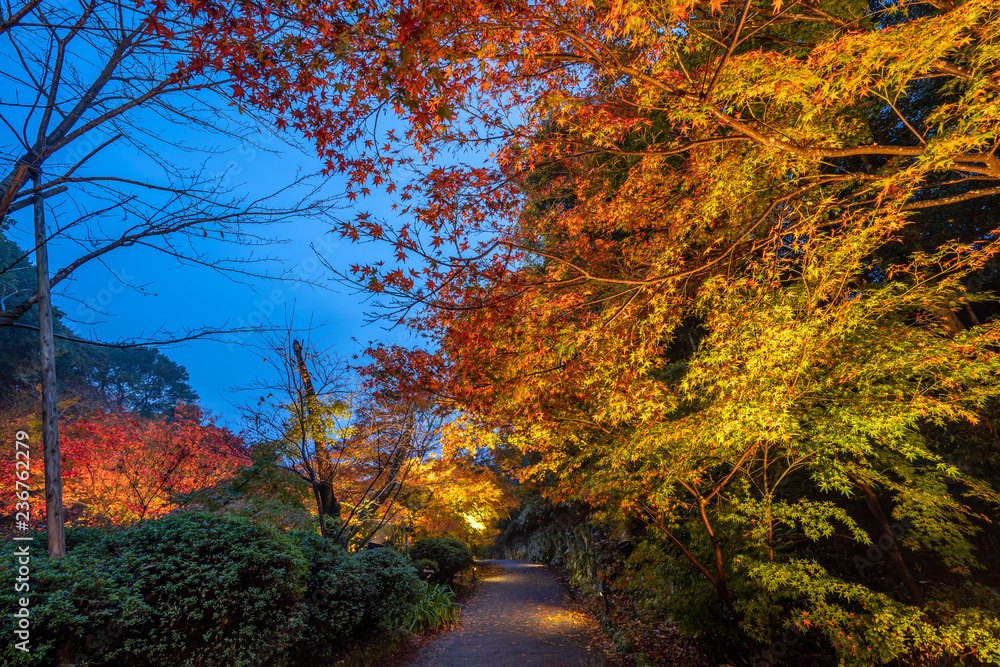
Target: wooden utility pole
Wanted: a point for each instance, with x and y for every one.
(50, 406)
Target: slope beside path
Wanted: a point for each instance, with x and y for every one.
(520, 616)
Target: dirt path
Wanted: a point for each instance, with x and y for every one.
(519, 616)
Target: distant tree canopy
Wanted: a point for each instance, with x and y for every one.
(138, 379)
(134, 379)
(19, 365)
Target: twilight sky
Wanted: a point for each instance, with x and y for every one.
(139, 292)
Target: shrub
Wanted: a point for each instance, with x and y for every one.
(81, 536)
(80, 607)
(334, 599)
(223, 590)
(451, 555)
(201, 589)
(391, 588)
(183, 590)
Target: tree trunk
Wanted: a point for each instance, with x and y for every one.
(50, 406)
(718, 582)
(916, 596)
(950, 319)
(327, 500)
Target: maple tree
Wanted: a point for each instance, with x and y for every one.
(122, 467)
(636, 82)
(714, 273)
(355, 449)
(459, 490)
(374, 463)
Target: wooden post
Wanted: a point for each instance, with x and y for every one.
(50, 406)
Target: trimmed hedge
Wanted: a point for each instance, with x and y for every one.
(391, 588)
(217, 587)
(334, 601)
(200, 589)
(451, 556)
(79, 608)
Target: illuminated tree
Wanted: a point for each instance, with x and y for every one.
(679, 280)
(458, 491)
(355, 449)
(122, 467)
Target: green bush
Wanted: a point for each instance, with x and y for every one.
(183, 590)
(81, 605)
(82, 536)
(451, 555)
(334, 599)
(202, 589)
(391, 588)
(222, 590)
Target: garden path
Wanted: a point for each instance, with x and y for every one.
(519, 616)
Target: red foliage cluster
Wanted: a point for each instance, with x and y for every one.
(121, 467)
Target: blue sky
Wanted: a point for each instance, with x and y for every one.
(139, 292)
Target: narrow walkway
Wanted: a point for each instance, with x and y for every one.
(518, 617)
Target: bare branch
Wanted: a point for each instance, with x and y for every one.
(16, 17)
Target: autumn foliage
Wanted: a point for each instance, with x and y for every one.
(715, 274)
(121, 468)
(721, 268)
(458, 490)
